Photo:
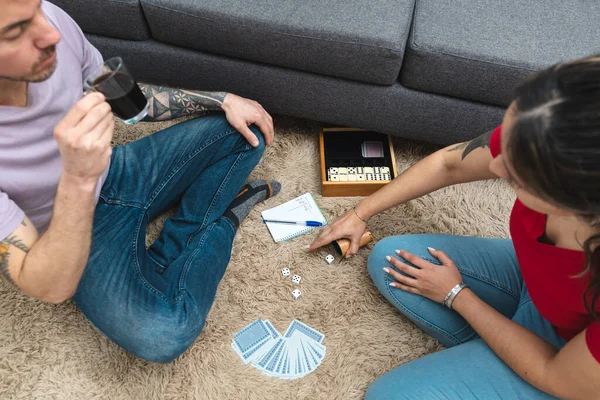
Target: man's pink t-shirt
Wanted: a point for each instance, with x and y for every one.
(30, 164)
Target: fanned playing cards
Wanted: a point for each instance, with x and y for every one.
(296, 353)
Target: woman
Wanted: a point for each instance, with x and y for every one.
(519, 317)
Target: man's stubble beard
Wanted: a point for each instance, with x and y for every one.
(41, 76)
(45, 75)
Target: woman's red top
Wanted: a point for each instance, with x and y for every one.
(550, 272)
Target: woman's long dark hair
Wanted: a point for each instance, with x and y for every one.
(555, 149)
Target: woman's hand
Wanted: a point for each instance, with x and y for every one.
(429, 280)
(347, 226)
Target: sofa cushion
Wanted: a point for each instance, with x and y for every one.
(349, 39)
(122, 19)
(481, 49)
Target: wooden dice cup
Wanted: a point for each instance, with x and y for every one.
(342, 246)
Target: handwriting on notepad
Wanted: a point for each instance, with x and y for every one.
(302, 208)
(305, 204)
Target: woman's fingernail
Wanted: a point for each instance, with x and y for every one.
(393, 284)
(398, 252)
(387, 271)
(308, 246)
(388, 258)
(255, 143)
(431, 249)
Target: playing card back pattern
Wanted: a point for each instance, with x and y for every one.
(292, 355)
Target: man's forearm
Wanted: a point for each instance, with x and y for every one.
(167, 103)
(55, 263)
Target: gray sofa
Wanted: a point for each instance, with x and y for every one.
(436, 70)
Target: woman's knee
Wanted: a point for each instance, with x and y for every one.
(414, 244)
(405, 302)
(377, 260)
(393, 385)
(411, 381)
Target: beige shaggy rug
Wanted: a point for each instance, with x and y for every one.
(52, 352)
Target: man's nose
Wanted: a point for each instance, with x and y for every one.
(46, 35)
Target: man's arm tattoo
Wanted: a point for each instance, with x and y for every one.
(23, 223)
(18, 243)
(167, 103)
(480, 142)
(5, 255)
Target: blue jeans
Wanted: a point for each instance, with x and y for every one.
(468, 369)
(154, 302)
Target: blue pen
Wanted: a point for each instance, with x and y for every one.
(305, 223)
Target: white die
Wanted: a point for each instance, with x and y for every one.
(285, 272)
(296, 279)
(296, 294)
(329, 258)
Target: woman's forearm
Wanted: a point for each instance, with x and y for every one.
(426, 176)
(465, 162)
(522, 350)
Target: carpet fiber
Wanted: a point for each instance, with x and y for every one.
(52, 352)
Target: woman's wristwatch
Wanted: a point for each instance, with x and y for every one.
(449, 299)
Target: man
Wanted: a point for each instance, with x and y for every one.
(73, 212)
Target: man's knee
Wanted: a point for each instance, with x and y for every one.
(162, 343)
(215, 126)
(160, 353)
(261, 139)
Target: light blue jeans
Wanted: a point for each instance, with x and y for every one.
(154, 302)
(468, 369)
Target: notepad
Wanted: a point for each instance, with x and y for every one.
(303, 208)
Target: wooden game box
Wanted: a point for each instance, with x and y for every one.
(342, 150)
